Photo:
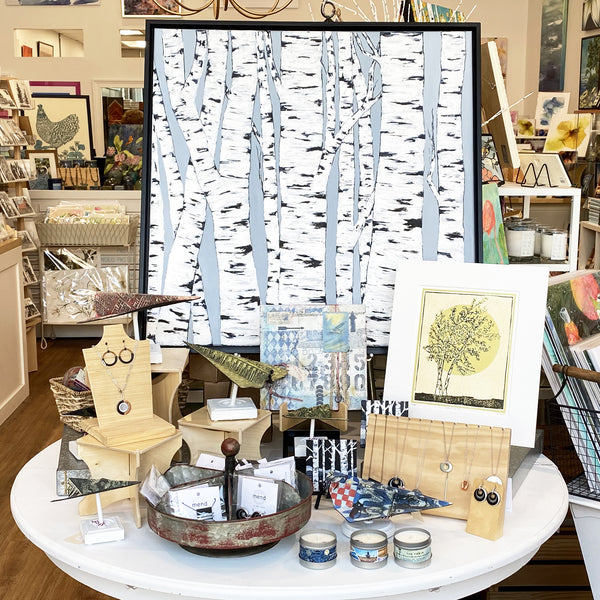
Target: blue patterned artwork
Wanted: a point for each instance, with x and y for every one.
(299, 164)
(324, 349)
(553, 45)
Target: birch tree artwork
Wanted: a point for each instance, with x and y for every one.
(327, 458)
(298, 166)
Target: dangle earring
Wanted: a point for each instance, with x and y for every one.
(493, 497)
(106, 360)
(129, 355)
(480, 494)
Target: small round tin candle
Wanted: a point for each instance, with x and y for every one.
(412, 547)
(368, 548)
(318, 549)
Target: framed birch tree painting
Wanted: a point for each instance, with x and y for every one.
(300, 163)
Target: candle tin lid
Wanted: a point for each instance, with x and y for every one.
(412, 537)
(368, 538)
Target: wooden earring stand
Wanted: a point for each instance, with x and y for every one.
(140, 423)
(123, 446)
(475, 452)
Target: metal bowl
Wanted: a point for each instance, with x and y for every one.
(235, 537)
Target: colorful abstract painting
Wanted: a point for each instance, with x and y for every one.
(553, 45)
(568, 132)
(494, 238)
(300, 165)
(491, 171)
(323, 348)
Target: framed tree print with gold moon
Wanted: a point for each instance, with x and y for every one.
(468, 338)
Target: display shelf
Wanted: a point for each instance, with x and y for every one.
(589, 241)
(514, 190)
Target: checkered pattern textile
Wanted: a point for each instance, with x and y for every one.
(343, 494)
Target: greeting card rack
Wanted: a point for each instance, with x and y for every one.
(18, 209)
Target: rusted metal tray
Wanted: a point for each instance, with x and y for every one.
(236, 537)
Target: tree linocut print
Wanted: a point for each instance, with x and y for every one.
(463, 348)
(467, 340)
(323, 348)
(299, 165)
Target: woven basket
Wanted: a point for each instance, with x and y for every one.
(68, 400)
(88, 234)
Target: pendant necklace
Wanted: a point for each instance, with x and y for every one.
(493, 498)
(469, 461)
(421, 458)
(123, 406)
(446, 465)
(397, 481)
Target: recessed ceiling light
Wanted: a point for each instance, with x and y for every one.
(130, 32)
(133, 44)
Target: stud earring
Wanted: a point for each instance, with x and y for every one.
(129, 355)
(107, 361)
(480, 494)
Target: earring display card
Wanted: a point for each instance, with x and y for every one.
(440, 458)
(486, 515)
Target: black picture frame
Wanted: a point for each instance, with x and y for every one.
(589, 73)
(214, 319)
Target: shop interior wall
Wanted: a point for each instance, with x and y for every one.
(103, 64)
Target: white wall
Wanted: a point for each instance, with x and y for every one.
(514, 19)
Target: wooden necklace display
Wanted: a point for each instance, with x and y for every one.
(397, 480)
(421, 457)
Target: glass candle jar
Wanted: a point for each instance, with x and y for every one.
(368, 548)
(554, 245)
(520, 240)
(412, 547)
(318, 549)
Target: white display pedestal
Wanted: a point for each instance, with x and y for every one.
(586, 516)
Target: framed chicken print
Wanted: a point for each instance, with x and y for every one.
(63, 124)
(299, 163)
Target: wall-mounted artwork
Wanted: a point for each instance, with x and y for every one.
(553, 45)
(300, 165)
(548, 105)
(589, 73)
(590, 15)
(62, 123)
(147, 8)
(470, 337)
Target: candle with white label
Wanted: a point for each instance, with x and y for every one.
(412, 547)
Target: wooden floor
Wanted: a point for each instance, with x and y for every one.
(25, 571)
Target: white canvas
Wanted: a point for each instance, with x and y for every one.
(502, 390)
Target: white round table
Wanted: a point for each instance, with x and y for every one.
(145, 566)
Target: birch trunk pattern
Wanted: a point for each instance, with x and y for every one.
(303, 211)
(450, 149)
(399, 188)
(287, 168)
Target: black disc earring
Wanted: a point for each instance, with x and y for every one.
(106, 357)
(129, 355)
(396, 482)
(480, 494)
(493, 498)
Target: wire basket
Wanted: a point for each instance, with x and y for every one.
(88, 234)
(574, 434)
(68, 400)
